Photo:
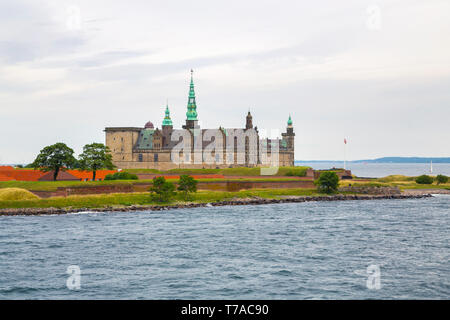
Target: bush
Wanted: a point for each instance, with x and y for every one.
(162, 190)
(301, 172)
(122, 175)
(187, 185)
(441, 179)
(424, 179)
(328, 182)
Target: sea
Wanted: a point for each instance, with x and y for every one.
(378, 170)
(371, 249)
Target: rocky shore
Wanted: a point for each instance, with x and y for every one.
(233, 202)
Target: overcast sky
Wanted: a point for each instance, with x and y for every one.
(375, 72)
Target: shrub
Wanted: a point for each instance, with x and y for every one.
(162, 190)
(441, 179)
(122, 175)
(187, 185)
(424, 179)
(328, 182)
(296, 172)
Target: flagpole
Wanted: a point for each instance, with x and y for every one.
(345, 154)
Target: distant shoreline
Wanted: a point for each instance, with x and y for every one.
(399, 160)
(249, 201)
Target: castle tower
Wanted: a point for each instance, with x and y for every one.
(167, 121)
(167, 127)
(289, 135)
(249, 121)
(191, 114)
(290, 128)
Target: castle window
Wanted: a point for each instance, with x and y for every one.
(155, 157)
(140, 157)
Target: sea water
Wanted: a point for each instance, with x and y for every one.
(381, 249)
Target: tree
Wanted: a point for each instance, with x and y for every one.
(328, 182)
(55, 158)
(162, 190)
(440, 178)
(187, 185)
(424, 179)
(96, 156)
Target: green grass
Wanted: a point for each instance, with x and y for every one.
(54, 185)
(127, 199)
(292, 171)
(396, 177)
(400, 181)
(142, 171)
(240, 171)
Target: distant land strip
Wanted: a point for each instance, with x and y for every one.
(388, 160)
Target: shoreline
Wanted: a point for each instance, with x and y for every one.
(247, 201)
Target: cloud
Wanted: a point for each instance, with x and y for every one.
(29, 32)
(315, 60)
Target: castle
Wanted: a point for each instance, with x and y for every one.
(193, 147)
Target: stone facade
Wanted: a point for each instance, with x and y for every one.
(150, 148)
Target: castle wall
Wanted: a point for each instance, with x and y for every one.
(121, 142)
(123, 145)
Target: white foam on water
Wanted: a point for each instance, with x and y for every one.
(82, 212)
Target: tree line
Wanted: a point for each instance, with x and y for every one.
(97, 156)
(59, 156)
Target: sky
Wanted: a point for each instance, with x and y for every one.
(374, 72)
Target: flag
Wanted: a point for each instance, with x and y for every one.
(345, 141)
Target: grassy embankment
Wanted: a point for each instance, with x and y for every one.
(403, 182)
(282, 171)
(54, 185)
(128, 199)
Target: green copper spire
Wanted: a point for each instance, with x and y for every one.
(289, 121)
(167, 121)
(191, 113)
